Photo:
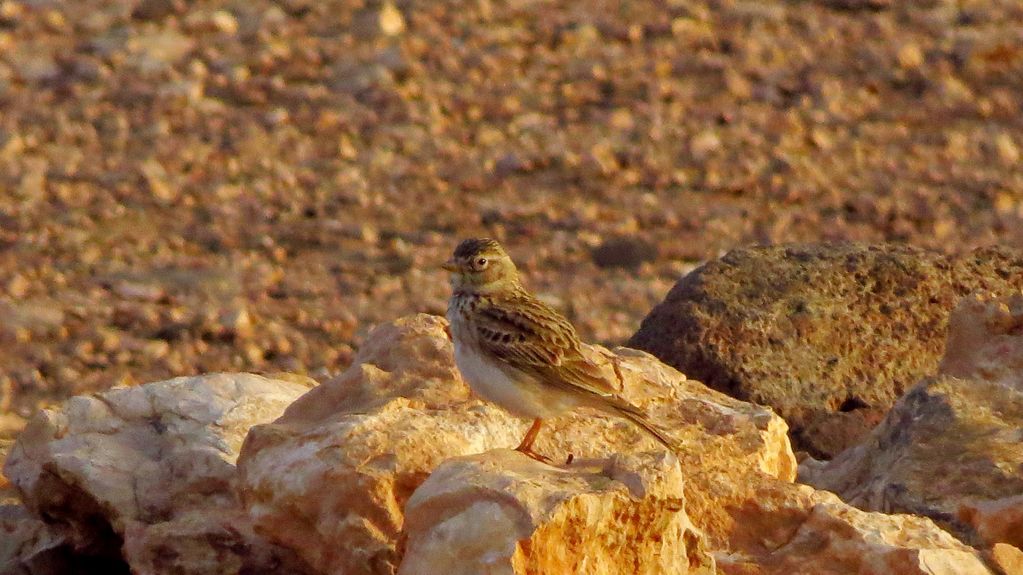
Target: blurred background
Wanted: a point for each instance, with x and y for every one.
(195, 186)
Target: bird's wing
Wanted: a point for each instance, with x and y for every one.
(525, 334)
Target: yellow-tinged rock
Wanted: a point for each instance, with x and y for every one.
(392, 22)
(1008, 558)
(501, 512)
(343, 460)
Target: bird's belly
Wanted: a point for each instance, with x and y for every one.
(522, 396)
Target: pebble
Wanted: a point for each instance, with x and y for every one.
(910, 56)
(702, 145)
(152, 139)
(225, 22)
(155, 51)
(158, 9)
(138, 291)
(1007, 150)
(156, 349)
(18, 286)
(623, 252)
(237, 322)
(392, 22)
(158, 181)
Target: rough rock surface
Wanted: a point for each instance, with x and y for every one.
(342, 461)
(129, 464)
(790, 529)
(501, 512)
(829, 335)
(27, 545)
(1008, 558)
(205, 542)
(965, 430)
(985, 340)
(348, 460)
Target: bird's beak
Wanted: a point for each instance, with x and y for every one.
(450, 265)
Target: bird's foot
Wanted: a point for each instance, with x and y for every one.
(533, 455)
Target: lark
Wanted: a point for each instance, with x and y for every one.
(517, 352)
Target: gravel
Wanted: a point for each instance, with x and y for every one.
(250, 184)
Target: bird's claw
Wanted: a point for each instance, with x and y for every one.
(534, 455)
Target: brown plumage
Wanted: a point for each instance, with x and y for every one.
(517, 351)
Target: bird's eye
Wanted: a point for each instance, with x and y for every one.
(481, 262)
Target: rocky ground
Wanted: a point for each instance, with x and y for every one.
(251, 185)
(188, 187)
(828, 335)
(394, 467)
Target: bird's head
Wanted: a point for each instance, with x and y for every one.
(481, 264)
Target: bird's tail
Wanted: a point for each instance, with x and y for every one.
(636, 416)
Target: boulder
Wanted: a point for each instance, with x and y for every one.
(829, 335)
(966, 429)
(502, 512)
(109, 469)
(395, 466)
(342, 462)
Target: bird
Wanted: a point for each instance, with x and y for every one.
(518, 352)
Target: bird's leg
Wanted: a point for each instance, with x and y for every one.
(526, 446)
(527, 441)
